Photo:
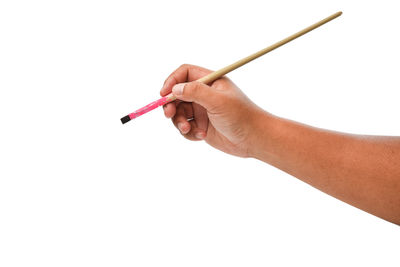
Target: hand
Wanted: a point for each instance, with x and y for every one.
(218, 113)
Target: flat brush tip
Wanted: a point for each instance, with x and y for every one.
(125, 119)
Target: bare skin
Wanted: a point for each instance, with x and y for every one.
(363, 171)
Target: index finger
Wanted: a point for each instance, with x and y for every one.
(185, 73)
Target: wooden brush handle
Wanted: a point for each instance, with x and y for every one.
(221, 72)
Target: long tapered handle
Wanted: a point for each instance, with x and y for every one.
(221, 72)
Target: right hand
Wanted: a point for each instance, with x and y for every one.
(221, 114)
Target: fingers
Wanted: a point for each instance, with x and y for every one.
(184, 73)
(183, 120)
(169, 110)
(180, 119)
(199, 123)
(201, 117)
(180, 112)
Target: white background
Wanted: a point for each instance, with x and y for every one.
(78, 188)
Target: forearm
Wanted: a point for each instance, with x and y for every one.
(363, 171)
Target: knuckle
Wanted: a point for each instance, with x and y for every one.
(197, 87)
(184, 66)
(191, 88)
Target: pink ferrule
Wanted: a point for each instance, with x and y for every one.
(160, 102)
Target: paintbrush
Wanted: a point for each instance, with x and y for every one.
(219, 73)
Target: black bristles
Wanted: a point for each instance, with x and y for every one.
(125, 119)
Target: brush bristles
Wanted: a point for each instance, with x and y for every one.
(125, 119)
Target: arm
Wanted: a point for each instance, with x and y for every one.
(363, 171)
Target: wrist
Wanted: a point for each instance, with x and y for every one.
(261, 124)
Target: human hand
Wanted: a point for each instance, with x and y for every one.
(218, 113)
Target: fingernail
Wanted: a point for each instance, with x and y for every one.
(199, 135)
(180, 125)
(178, 89)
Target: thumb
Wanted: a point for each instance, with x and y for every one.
(196, 92)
